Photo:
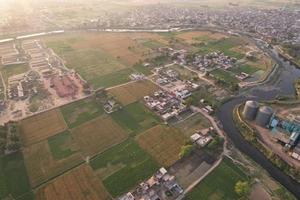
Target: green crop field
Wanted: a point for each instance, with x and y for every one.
(142, 69)
(62, 145)
(124, 166)
(91, 64)
(81, 111)
(224, 45)
(219, 184)
(115, 78)
(135, 118)
(13, 178)
(225, 76)
(11, 70)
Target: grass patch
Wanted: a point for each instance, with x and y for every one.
(61, 145)
(135, 118)
(142, 69)
(244, 68)
(81, 111)
(136, 164)
(225, 76)
(13, 178)
(219, 184)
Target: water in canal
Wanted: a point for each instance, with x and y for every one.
(281, 83)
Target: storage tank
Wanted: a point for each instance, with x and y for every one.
(264, 115)
(250, 110)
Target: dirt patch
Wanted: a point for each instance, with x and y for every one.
(258, 192)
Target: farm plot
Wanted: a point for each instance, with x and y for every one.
(95, 55)
(14, 183)
(80, 183)
(162, 143)
(192, 124)
(123, 167)
(132, 92)
(219, 184)
(115, 78)
(97, 135)
(194, 36)
(62, 145)
(135, 118)
(39, 127)
(81, 111)
(41, 164)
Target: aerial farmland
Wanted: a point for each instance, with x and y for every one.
(136, 121)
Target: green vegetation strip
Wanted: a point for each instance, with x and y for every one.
(220, 184)
(135, 166)
(13, 178)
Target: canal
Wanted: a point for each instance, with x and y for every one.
(281, 84)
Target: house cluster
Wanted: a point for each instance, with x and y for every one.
(137, 76)
(210, 60)
(45, 62)
(161, 186)
(10, 55)
(170, 80)
(111, 105)
(22, 86)
(202, 137)
(165, 105)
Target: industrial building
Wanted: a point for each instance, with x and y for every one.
(284, 130)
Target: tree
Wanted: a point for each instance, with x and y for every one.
(242, 188)
(186, 150)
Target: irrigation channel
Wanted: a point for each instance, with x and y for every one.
(281, 83)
